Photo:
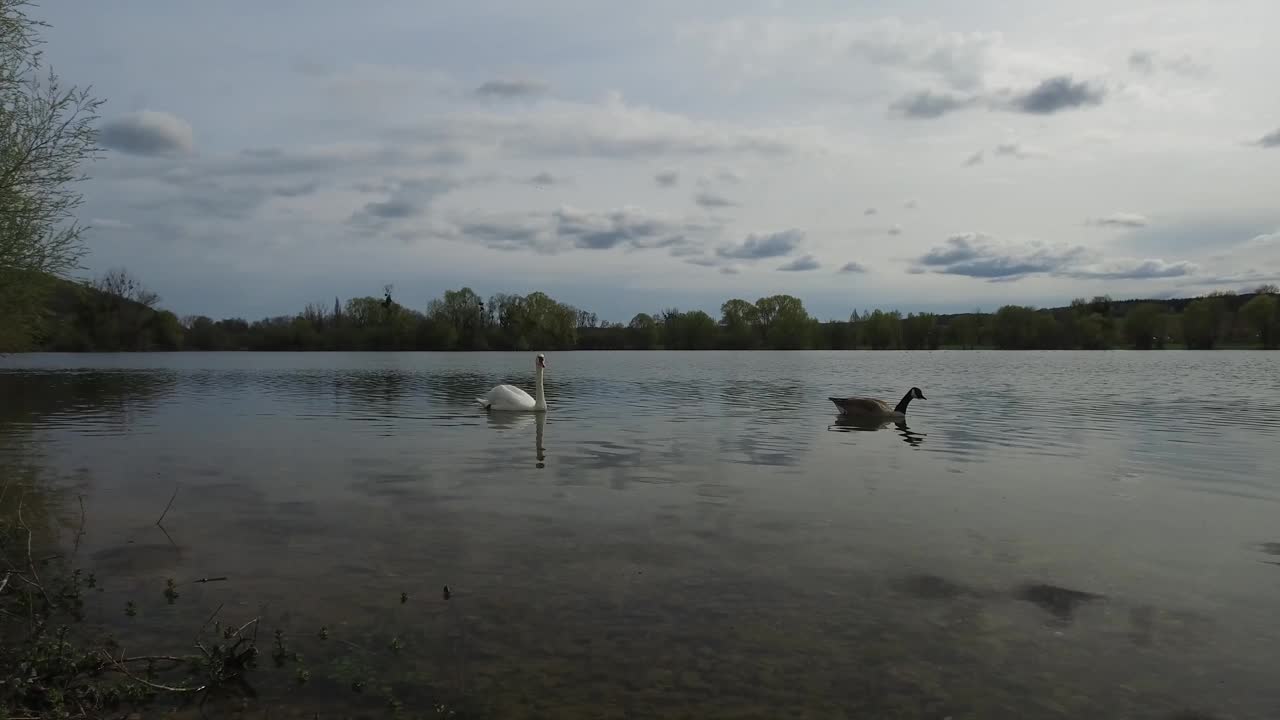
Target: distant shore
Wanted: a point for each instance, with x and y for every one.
(117, 314)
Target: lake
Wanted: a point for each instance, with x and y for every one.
(1049, 534)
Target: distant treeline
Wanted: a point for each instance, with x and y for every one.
(115, 313)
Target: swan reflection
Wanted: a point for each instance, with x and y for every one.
(845, 423)
(520, 421)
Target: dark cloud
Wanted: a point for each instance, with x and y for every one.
(1120, 220)
(711, 200)
(611, 130)
(853, 267)
(572, 229)
(974, 255)
(704, 261)
(1012, 150)
(511, 88)
(109, 224)
(668, 178)
(600, 231)
(198, 196)
(1056, 94)
(728, 270)
(409, 199)
(1135, 270)
(685, 250)
(297, 190)
(801, 264)
(1049, 96)
(1143, 61)
(1270, 140)
(543, 178)
(1149, 62)
(148, 133)
(927, 104)
(392, 209)
(756, 247)
(956, 249)
(974, 159)
(328, 160)
(508, 234)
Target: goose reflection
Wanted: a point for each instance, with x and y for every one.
(848, 423)
(519, 422)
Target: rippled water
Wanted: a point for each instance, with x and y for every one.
(1048, 535)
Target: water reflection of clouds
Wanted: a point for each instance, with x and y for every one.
(396, 475)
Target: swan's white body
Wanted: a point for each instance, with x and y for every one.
(510, 397)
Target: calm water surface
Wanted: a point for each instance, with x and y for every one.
(1050, 535)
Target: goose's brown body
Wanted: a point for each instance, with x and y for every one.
(872, 407)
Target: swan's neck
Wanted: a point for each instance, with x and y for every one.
(539, 397)
(903, 403)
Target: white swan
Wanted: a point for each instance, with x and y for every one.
(510, 397)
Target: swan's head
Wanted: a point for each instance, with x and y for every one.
(915, 393)
(541, 362)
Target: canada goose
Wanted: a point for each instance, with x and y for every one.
(872, 407)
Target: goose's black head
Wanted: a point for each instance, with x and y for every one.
(915, 393)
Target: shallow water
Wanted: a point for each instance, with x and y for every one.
(1049, 535)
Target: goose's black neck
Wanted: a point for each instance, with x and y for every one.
(904, 402)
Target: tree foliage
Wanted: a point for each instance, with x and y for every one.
(1263, 315)
(46, 133)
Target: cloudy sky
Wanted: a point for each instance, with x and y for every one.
(921, 154)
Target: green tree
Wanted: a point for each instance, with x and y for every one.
(643, 332)
(919, 332)
(784, 322)
(1201, 321)
(740, 325)
(1144, 326)
(46, 132)
(693, 330)
(1263, 315)
(1097, 332)
(1013, 327)
(464, 312)
(963, 331)
(882, 330)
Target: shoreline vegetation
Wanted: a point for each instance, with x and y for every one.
(81, 644)
(116, 313)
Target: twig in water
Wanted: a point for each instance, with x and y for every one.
(206, 622)
(167, 536)
(166, 507)
(80, 532)
(209, 580)
(157, 686)
(30, 561)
